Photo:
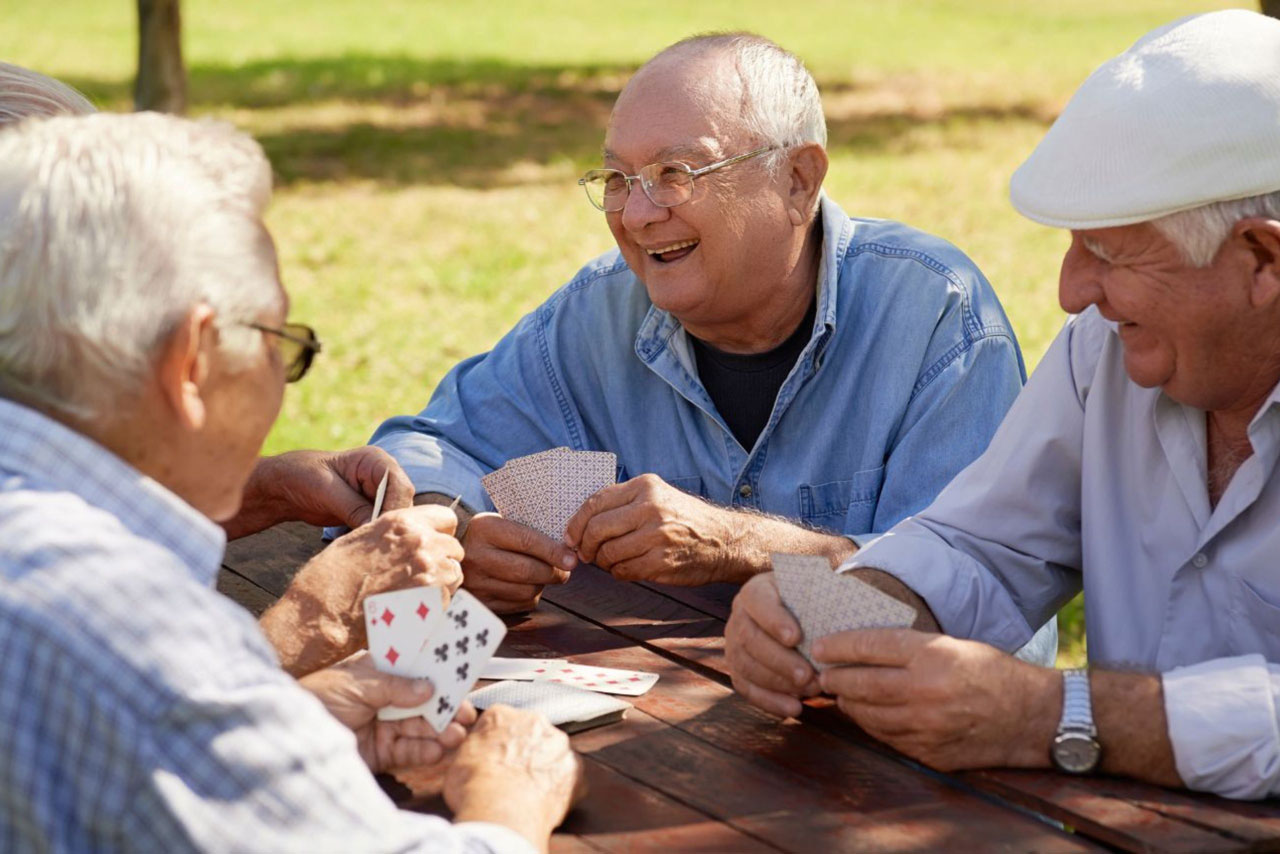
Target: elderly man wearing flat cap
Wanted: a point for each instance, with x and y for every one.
(1139, 463)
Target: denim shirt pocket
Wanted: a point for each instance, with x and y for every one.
(691, 485)
(847, 506)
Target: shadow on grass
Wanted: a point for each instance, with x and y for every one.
(474, 123)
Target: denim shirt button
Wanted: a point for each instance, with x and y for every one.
(745, 490)
(1200, 561)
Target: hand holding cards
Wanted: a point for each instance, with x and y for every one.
(409, 635)
(825, 603)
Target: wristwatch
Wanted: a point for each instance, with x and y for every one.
(1075, 748)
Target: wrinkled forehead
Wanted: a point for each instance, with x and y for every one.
(677, 108)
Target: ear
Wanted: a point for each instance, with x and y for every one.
(182, 369)
(808, 168)
(1261, 238)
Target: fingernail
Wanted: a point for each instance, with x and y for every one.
(422, 686)
(569, 561)
(798, 674)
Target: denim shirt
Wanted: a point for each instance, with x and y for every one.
(909, 368)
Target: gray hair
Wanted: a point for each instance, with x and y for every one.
(112, 228)
(1200, 232)
(780, 101)
(25, 93)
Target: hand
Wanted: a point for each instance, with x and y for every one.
(320, 618)
(760, 640)
(507, 564)
(353, 692)
(515, 769)
(646, 529)
(320, 488)
(949, 703)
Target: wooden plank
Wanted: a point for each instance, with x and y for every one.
(696, 740)
(270, 558)
(241, 590)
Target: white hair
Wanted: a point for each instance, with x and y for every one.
(25, 93)
(1200, 232)
(780, 102)
(112, 228)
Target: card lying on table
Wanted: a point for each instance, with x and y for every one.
(519, 668)
(571, 709)
(825, 603)
(545, 489)
(605, 680)
(452, 657)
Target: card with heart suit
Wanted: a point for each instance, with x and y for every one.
(605, 680)
(544, 490)
(825, 603)
(519, 668)
(571, 709)
(398, 623)
(453, 658)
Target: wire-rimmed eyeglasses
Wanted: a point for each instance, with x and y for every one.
(298, 347)
(666, 184)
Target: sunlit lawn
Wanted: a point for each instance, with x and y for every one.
(425, 152)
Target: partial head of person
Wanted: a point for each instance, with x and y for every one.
(140, 301)
(1165, 166)
(25, 93)
(713, 165)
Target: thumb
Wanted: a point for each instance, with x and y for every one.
(399, 691)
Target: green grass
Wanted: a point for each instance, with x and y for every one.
(425, 151)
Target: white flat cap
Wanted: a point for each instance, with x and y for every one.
(1189, 115)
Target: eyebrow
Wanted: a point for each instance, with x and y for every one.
(1097, 249)
(666, 154)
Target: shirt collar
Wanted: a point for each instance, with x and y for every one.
(659, 326)
(53, 456)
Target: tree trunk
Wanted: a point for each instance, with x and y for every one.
(1271, 7)
(162, 79)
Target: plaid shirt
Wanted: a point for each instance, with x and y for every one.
(140, 709)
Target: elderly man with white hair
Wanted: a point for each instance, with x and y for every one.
(143, 357)
(772, 374)
(1140, 462)
(319, 619)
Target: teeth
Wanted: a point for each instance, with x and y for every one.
(673, 247)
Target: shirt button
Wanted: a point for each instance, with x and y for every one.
(745, 490)
(1200, 561)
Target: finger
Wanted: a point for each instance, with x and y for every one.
(771, 665)
(609, 525)
(887, 647)
(513, 567)
(877, 686)
(760, 601)
(415, 752)
(884, 722)
(773, 702)
(510, 536)
(390, 690)
(647, 567)
(434, 516)
(504, 597)
(608, 498)
(466, 715)
(399, 494)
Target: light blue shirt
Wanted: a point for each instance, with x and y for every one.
(909, 368)
(1093, 480)
(141, 710)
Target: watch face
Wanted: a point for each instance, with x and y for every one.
(1076, 752)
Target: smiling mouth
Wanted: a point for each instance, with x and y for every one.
(674, 252)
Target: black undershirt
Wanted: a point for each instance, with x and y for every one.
(744, 386)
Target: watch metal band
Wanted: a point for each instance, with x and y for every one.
(1077, 706)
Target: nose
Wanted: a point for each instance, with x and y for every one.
(640, 211)
(1080, 280)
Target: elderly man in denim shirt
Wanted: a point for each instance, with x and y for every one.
(772, 374)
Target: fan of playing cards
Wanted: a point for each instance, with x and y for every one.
(825, 603)
(544, 490)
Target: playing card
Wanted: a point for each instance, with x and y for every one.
(382, 493)
(544, 490)
(571, 709)
(453, 659)
(605, 680)
(398, 623)
(825, 603)
(519, 668)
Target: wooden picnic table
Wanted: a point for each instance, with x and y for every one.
(694, 767)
